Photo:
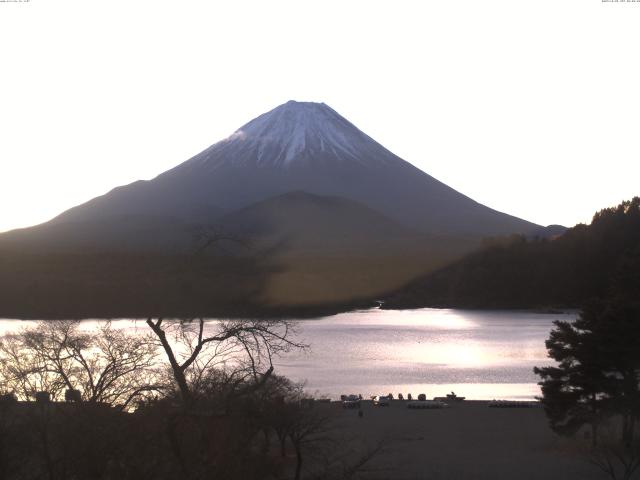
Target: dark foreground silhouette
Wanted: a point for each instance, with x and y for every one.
(128, 285)
(175, 399)
(119, 285)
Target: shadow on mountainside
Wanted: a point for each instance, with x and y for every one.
(261, 282)
(67, 285)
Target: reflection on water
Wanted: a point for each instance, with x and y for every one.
(478, 354)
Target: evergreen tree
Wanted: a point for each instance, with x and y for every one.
(598, 372)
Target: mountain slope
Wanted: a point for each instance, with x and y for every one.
(323, 250)
(301, 222)
(117, 233)
(300, 147)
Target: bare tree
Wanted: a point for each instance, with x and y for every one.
(244, 348)
(24, 373)
(107, 365)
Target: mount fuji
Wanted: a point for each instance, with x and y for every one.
(296, 147)
(332, 218)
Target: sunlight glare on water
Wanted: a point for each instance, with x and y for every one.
(479, 354)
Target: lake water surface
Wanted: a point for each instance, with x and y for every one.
(477, 354)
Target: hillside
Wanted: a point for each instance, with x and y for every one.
(304, 223)
(294, 254)
(585, 262)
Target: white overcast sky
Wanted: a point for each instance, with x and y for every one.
(531, 107)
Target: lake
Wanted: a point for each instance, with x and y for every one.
(477, 354)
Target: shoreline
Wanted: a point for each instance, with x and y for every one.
(296, 314)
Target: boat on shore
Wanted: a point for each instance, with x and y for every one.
(450, 398)
(350, 401)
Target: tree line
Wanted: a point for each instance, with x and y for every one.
(587, 261)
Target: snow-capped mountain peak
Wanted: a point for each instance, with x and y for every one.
(297, 132)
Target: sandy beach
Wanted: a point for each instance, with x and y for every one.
(468, 440)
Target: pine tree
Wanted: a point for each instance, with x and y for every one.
(598, 372)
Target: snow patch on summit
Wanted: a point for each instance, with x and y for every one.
(300, 129)
(295, 134)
